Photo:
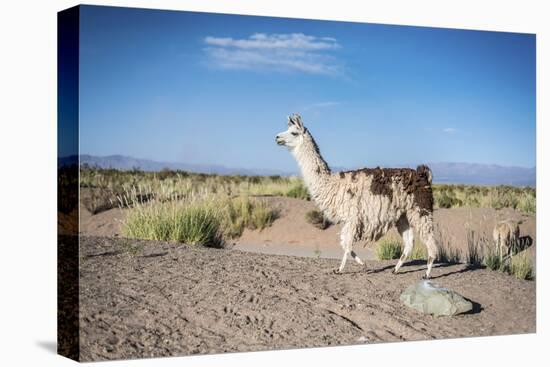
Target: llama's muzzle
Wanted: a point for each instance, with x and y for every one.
(279, 140)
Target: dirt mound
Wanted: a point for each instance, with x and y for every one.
(145, 299)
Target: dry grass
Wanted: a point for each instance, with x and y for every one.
(182, 182)
(497, 197)
(196, 218)
(388, 250)
(521, 266)
(317, 219)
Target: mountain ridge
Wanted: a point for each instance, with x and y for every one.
(443, 172)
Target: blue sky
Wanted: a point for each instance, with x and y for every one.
(216, 89)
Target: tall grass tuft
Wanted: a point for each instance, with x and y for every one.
(521, 266)
(196, 218)
(448, 254)
(317, 219)
(194, 224)
(388, 250)
(299, 191)
(492, 259)
(474, 255)
(419, 251)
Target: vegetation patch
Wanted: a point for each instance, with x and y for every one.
(388, 250)
(521, 266)
(299, 191)
(208, 220)
(317, 219)
(419, 251)
(497, 197)
(448, 254)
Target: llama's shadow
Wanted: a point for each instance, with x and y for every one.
(524, 242)
(467, 268)
(408, 264)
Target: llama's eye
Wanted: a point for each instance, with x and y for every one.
(295, 134)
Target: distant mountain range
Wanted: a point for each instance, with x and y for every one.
(443, 172)
(126, 163)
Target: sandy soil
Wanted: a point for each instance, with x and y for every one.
(145, 299)
(290, 234)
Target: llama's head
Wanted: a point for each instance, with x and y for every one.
(294, 136)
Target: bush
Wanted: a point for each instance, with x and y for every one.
(492, 261)
(527, 203)
(447, 201)
(194, 224)
(521, 266)
(299, 192)
(317, 218)
(240, 213)
(388, 250)
(208, 221)
(419, 252)
(99, 200)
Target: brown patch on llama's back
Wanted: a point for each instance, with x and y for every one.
(415, 182)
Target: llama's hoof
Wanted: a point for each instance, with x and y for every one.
(394, 271)
(336, 271)
(425, 277)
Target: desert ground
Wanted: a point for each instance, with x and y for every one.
(147, 298)
(274, 289)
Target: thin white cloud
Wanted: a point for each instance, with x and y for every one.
(319, 105)
(450, 130)
(279, 52)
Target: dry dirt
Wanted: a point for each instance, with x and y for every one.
(145, 299)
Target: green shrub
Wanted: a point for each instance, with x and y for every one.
(242, 212)
(299, 192)
(419, 252)
(492, 259)
(446, 200)
(528, 203)
(521, 266)
(193, 224)
(317, 219)
(388, 250)
(209, 220)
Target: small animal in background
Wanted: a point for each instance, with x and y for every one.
(506, 237)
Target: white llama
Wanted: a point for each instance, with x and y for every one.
(368, 202)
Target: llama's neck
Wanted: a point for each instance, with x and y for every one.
(315, 170)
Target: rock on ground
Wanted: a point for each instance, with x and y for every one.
(430, 299)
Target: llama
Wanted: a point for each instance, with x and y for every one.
(369, 201)
(506, 237)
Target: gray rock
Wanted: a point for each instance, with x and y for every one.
(430, 299)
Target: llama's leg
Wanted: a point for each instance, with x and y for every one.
(425, 227)
(356, 258)
(432, 252)
(346, 241)
(408, 243)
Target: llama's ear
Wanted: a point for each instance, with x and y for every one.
(295, 120)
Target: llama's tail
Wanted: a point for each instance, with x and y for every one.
(425, 171)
